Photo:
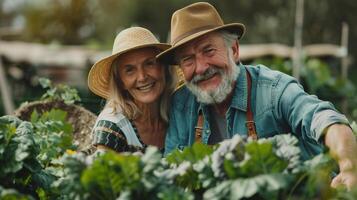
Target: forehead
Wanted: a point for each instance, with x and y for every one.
(138, 55)
(213, 38)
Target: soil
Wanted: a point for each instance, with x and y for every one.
(81, 119)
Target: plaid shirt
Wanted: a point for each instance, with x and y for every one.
(115, 131)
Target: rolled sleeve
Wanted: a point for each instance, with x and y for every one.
(324, 119)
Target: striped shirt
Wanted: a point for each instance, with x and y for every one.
(114, 130)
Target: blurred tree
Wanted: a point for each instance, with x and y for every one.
(56, 20)
(97, 22)
(108, 18)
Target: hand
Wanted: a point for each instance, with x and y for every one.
(347, 176)
(343, 147)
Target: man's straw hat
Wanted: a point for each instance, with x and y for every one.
(192, 22)
(127, 40)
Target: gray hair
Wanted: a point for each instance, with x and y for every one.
(228, 37)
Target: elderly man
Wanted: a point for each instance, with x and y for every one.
(222, 97)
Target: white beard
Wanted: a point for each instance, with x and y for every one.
(219, 94)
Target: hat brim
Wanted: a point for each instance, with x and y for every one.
(167, 56)
(99, 74)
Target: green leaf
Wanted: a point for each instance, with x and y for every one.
(265, 185)
(34, 116)
(192, 154)
(45, 83)
(112, 173)
(261, 159)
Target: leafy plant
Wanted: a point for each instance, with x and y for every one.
(53, 134)
(117, 176)
(27, 148)
(11, 194)
(238, 168)
(59, 92)
(20, 168)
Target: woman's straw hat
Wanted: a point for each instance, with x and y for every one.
(192, 22)
(127, 40)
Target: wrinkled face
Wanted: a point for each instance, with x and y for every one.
(141, 75)
(209, 67)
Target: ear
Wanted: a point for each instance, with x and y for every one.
(235, 50)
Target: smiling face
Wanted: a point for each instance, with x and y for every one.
(142, 77)
(209, 67)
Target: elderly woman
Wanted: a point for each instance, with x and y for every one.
(137, 89)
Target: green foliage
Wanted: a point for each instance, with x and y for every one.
(59, 92)
(197, 152)
(69, 186)
(354, 127)
(53, 134)
(117, 176)
(317, 174)
(105, 181)
(27, 148)
(276, 63)
(316, 74)
(20, 168)
(234, 169)
(11, 194)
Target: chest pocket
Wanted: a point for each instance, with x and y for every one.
(266, 124)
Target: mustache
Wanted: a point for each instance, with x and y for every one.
(206, 75)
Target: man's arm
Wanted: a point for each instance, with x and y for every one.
(343, 147)
(314, 118)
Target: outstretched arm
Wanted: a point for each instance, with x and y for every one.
(343, 147)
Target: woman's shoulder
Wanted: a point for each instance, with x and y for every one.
(109, 114)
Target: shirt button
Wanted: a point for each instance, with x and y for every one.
(207, 131)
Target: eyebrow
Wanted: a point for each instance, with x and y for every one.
(150, 59)
(128, 65)
(179, 57)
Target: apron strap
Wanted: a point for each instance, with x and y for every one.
(249, 116)
(199, 128)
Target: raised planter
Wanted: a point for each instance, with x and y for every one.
(81, 119)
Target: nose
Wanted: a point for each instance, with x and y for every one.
(201, 65)
(141, 74)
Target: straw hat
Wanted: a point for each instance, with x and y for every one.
(192, 22)
(127, 40)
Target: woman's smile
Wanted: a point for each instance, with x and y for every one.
(146, 87)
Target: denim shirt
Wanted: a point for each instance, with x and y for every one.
(279, 105)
